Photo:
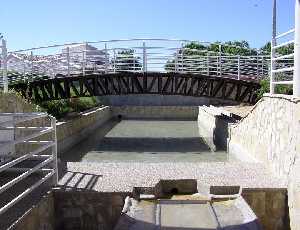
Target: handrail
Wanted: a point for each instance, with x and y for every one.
(282, 65)
(10, 164)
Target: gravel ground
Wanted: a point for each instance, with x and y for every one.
(122, 177)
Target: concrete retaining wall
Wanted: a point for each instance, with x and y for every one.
(96, 210)
(213, 127)
(270, 133)
(160, 100)
(156, 112)
(11, 103)
(40, 216)
(73, 131)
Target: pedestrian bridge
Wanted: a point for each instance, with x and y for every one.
(136, 66)
(125, 83)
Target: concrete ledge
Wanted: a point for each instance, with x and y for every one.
(73, 131)
(156, 112)
(213, 127)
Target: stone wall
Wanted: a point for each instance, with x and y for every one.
(40, 216)
(73, 131)
(80, 210)
(156, 112)
(270, 133)
(270, 206)
(213, 127)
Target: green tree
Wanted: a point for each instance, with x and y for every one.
(194, 56)
(125, 60)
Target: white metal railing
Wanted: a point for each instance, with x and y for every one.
(15, 131)
(135, 55)
(284, 67)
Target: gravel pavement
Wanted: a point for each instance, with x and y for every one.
(122, 177)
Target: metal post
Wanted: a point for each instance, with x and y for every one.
(273, 44)
(182, 57)
(257, 65)
(106, 58)
(220, 60)
(84, 59)
(4, 73)
(144, 58)
(296, 85)
(24, 67)
(176, 61)
(208, 63)
(239, 67)
(114, 61)
(31, 66)
(54, 151)
(68, 61)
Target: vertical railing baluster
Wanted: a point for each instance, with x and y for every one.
(182, 57)
(84, 59)
(296, 81)
(54, 151)
(144, 58)
(220, 60)
(114, 63)
(68, 61)
(176, 61)
(106, 58)
(239, 67)
(31, 67)
(273, 44)
(4, 71)
(207, 63)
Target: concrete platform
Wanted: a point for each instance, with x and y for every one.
(122, 177)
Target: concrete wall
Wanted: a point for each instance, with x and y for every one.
(81, 210)
(270, 133)
(160, 100)
(11, 103)
(73, 131)
(40, 216)
(213, 127)
(157, 112)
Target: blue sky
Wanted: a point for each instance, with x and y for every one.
(30, 23)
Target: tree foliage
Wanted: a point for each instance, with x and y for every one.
(126, 60)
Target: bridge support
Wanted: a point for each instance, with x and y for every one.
(296, 85)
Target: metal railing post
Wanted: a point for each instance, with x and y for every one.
(106, 58)
(182, 57)
(273, 44)
(84, 59)
(257, 65)
(31, 67)
(54, 151)
(239, 67)
(176, 61)
(68, 61)
(4, 73)
(144, 58)
(114, 64)
(207, 63)
(24, 66)
(296, 85)
(220, 60)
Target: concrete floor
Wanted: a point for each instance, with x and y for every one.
(149, 141)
